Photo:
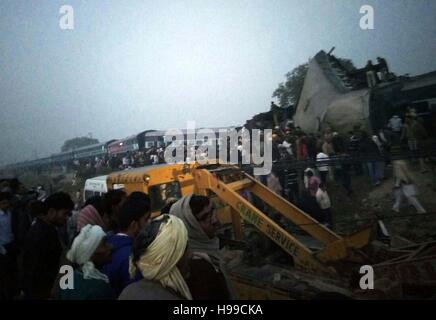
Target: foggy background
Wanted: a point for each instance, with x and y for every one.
(131, 65)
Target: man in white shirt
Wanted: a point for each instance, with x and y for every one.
(395, 124)
(154, 158)
(323, 199)
(323, 169)
(126, 161)
(287, 146)
(273, 183)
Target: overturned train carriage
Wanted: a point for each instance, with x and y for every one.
(330, 98)
(337, 97)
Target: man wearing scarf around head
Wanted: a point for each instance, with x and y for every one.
(206, 265)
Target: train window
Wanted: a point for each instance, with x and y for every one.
(159, 194)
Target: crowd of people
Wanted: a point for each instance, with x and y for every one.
(332, 157)
(294, 144)
(118, 251)
(131, 159)
(114, 247)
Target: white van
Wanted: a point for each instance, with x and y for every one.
(96, 186)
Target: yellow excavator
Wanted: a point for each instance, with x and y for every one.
(302, 257)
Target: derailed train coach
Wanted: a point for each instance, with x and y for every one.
(343, 99)
(144, 140)
(82, 153)
(36, 164)
(141, 141)
(63, 158)
(96, 150)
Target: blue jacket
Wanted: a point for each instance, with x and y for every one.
(118, 269)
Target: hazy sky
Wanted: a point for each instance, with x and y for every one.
(133, 65)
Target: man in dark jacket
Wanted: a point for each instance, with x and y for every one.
(42, 248)
(311, 146)
(353, 151)
(15, 222)
(132, 216)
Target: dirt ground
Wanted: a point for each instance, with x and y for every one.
(368, 202)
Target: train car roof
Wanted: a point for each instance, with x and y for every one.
(122, 140)
(155, 133)
(214, 129)
(91, 146)
(110, 141)
(146, 131)
(61, 153)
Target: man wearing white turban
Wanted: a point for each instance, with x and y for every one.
(160, 253)
(89, 251)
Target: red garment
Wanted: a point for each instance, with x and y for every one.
(89, 215)
(302, 151)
